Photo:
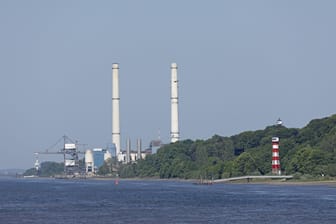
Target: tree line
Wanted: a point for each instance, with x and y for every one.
(309, 152)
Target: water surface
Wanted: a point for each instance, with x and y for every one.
(95, 201)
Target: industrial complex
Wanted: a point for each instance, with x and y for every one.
(95, 158)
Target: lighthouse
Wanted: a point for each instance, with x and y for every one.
(275, 156)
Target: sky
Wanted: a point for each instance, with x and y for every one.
(241, 65)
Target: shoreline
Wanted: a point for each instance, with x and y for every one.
(288, 183)
(305, 183)
(197, 181)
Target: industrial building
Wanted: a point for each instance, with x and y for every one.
(94, 158)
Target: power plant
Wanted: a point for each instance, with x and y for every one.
(128, 155)
(94, 158)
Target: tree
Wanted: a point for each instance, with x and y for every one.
(244, 164)
(47, 169)
(109, 167)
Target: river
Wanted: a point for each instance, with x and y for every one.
(101, 201)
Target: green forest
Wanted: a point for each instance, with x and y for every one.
(309, 152)
(47, 169)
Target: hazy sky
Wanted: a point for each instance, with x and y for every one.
(242, 65)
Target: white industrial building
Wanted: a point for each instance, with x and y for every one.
(95, 158)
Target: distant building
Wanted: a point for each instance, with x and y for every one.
(95, 158)
(279, 122)
(133, 156)
(98, 157)
(89, 161)
(155, 145)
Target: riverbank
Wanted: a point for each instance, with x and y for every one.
(293, 182)
(209, 182)
(287, 182)
(308, 182)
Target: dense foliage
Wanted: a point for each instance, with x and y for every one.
(308, 151)
(47, 169)
(109, 167)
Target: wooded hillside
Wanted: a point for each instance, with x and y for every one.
(310, 151)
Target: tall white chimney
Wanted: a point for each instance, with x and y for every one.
(174, 133)
(139, 146)
(128, 151)
(115, 110)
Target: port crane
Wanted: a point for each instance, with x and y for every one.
(70, 153)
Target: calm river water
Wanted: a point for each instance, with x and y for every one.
(91, 201)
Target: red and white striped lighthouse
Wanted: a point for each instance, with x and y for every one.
(275, 156)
